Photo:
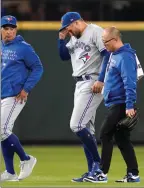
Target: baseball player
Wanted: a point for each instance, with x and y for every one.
(86, 51)
(120, 83)
(20, 71)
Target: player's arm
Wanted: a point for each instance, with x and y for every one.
(32, 61)
(105, 55)
(63, 50)
(97, 40)
(98, 85)
(128, 71)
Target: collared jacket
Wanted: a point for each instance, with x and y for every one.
(121, 78)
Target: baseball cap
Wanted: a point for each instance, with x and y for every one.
(8, 20)
(69, 18)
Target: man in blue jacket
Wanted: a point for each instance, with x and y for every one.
(21, 69)
(120, 97)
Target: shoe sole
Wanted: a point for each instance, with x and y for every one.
(127, 182)
(77, 181)
(35, 161)
(13, 180)
(88, 180)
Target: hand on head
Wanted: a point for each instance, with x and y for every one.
(64, 33)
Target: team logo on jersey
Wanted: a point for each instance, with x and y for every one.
(85, 57)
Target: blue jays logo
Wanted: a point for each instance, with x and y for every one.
(85, 57)
(9, 19)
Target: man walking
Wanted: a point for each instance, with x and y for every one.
(20, 71)
(120, 98)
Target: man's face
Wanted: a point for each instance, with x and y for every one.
(74, 30)
(8, 33)
(109, 41)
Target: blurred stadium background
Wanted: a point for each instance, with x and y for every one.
(43, 126)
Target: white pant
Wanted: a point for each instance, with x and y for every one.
(10, 110)
(85, 106)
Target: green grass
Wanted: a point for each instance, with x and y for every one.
(57, 165)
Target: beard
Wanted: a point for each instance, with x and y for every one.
(76, 34)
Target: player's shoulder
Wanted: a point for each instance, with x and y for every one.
(95, 27)
(21, 40)
(23, 44)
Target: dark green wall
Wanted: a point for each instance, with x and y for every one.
(47, 113)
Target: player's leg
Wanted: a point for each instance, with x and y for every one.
(85, 103)
(90, 161)
(10, 110)
(81, 116)
(88, 154)
(89, 157)
(7, 107)
(123, 141)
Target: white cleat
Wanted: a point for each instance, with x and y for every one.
(6, 176)
(26, 167)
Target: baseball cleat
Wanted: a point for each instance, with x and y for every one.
(27, 167)
(99, 178)
(129, 178)
(6, 176)
(81, 179)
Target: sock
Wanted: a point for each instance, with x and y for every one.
(88, 157)
(17, 147)
(8, 155)
(87, 138)
(94, 138)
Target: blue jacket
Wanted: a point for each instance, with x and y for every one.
(21, 67)
(121, 78)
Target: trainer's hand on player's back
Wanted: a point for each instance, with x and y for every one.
(63, 34)
(22, 96)
(97, 87)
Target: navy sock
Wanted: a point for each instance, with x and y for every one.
(8, 155)
(88, 157)
(14, 141)
(87, 138)
(94, 138)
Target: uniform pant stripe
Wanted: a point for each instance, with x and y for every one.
(84, 112)
(9, 116)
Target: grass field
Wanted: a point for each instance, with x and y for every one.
(57, 165)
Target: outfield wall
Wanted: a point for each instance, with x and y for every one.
(47, 113)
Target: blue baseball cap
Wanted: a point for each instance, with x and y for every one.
(69, 18)
(8, 20)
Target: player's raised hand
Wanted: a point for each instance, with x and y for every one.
(22, 96)
(63, 34)
(97, 87)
